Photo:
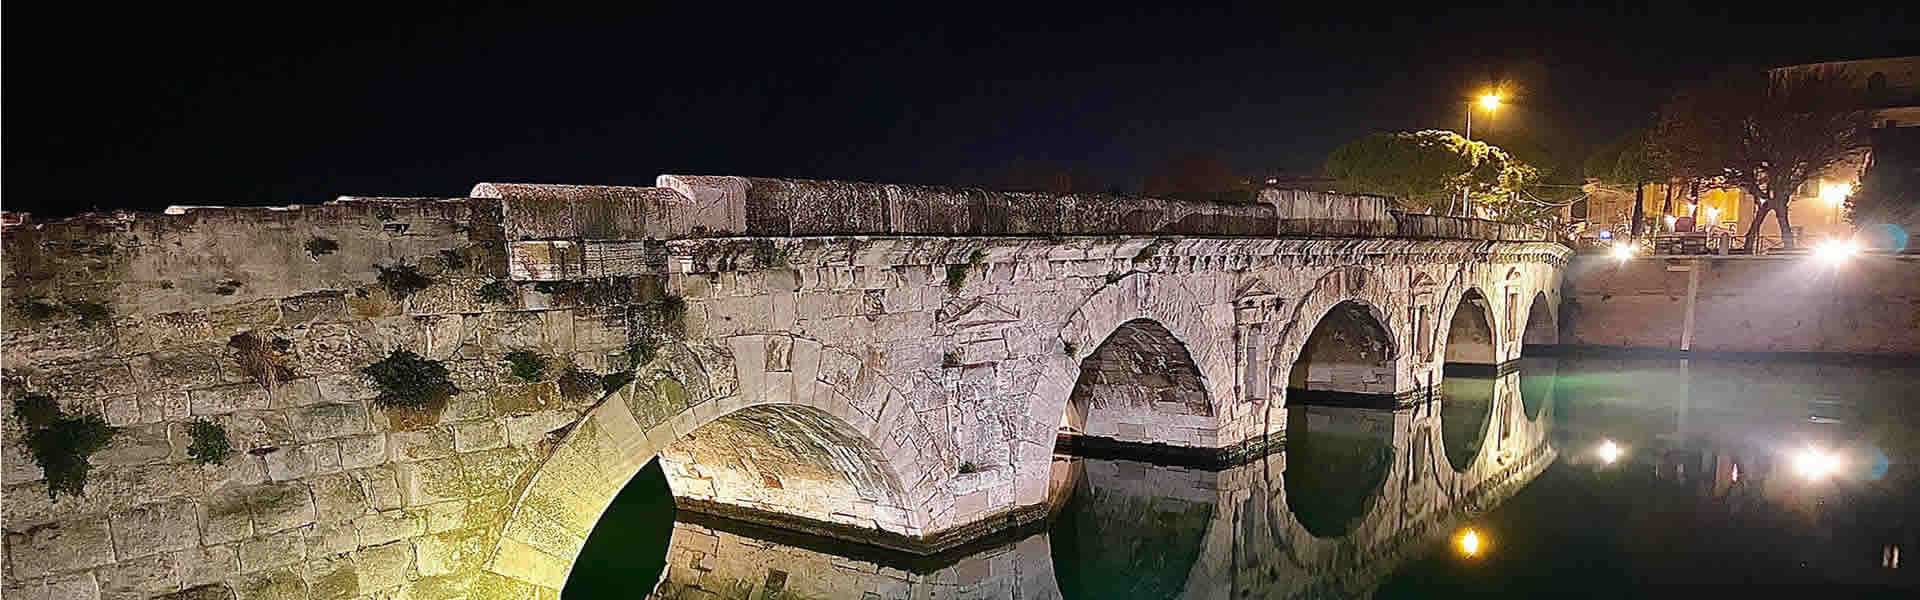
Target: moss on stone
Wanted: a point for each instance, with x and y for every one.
(497, 292)
(529, 366)
(408, 381)
(319, 246)
(402, 280)
(210, 444)
(579, 384)
(61, 444)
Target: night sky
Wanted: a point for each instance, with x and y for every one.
(110, 107)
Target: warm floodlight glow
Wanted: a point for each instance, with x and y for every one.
(1470, 543)
(1490, 101)
(1834, 252)
(1835, 193)
(1609, 451)
(1670, 221)
(1814, 463)
(1622, 251)
(1713, 215)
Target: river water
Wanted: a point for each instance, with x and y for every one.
(1571, 477)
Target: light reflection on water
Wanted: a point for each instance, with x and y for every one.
(1506, 488)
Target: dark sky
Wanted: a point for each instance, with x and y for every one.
(111, 107)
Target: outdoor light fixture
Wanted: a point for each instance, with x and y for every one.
(1713, 215)
(1834, 252)
(1490, 101)
(1469, 543)
(1609, 451)
(1670, 221)
(1813, 463)
(1622, 251)
(1835, 193)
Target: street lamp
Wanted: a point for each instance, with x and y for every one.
(1488, 101)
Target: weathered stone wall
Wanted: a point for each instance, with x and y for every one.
(1868, 304)
(938, 351)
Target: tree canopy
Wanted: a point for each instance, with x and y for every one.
(1764, 133)
(1429, 171)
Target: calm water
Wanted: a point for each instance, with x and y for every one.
(1576, 478)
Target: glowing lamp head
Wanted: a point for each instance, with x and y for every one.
(1469, 543)
(1813, 463)
(1835, 193)
(1608, 451)
(1490, 101)
(1622, 251)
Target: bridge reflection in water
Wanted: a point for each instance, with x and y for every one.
(1354, 495)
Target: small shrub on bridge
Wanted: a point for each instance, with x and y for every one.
(642, 350)
(672, 312)
(612, 382)
(61, 444)
(319, 246)
(957, 274)
(969, 467)
(453, 260)
(527, 365)
(210, 444)
(580, 384)
(497, 292)
(407, 380)
(402, 280)
(91, 312)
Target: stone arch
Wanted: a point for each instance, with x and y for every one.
(1542, 328)
(1364, 309)
(1472, 334)
(743, 381)
(1139, 385)
(1469, 406)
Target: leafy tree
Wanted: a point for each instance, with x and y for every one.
(1430, 170)
(1764, 133)
(1626, 161)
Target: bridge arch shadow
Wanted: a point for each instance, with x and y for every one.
(1140, 385)
(1542, 328)
(1337, 459)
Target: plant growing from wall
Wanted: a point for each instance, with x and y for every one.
(1071, 349)
(957, 274)
(264, 362)
(453, 260)
(969, 467)
(766, 253)
(497, 292)
(527, 365)
(642, 349)
(671, 311)
(319, 246)
(580, 384)
(612, 382)
(407, 380)
(402, 280)
(60, 444)
(90, 312)
(210, 443)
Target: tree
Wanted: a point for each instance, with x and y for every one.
(1889, 191)
(1625, 161)
(1766, 134)
(1431, 170)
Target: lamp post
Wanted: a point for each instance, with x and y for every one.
(1489, 101)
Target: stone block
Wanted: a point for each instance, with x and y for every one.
(382, 487)
(363, 451)
(277, 584)
(420, 444)
(430, 481)
(337, 497)
(228, 516)
(226, 399)
(477, 435)
(332, 578)
(164, 405)
(135, 445)
(123, 410)
(62, 546)
(141, 577)
(287, 464)
(445, 516)
(527, 430)
(316, 307)
(387, 526)
(383, 567)
(495, 471)
(322, 421)
(274, 550)
(75, 586)
(329, 539)
(446, 554)
(280, 506)
(155, 528)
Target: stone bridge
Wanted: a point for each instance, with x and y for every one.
(888, 364)
(1191, 533)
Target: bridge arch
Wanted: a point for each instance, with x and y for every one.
(733, 393)
(1349, 312)
(1542, 326)
(1140, 385)
(1472, 332)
